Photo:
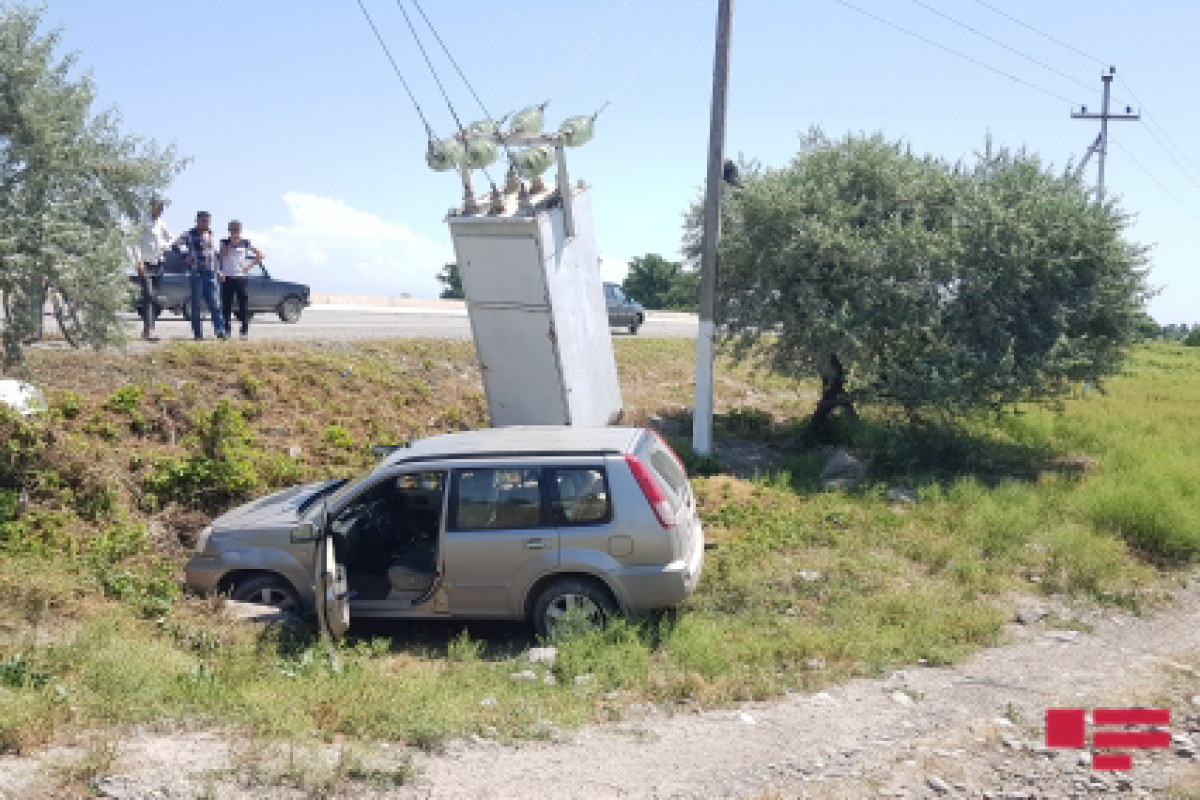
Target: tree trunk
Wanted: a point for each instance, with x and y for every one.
(833, 396)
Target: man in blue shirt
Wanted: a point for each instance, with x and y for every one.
(201, 257)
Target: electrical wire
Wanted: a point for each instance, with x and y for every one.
(654, 52)
(429, 63)
(583, 54)
(1054, 39)
(1152, 123)
(958, 53)
(999, 43)
(395, 67)
(1151, 176)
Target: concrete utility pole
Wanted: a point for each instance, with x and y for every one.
(702, 418)
(1101, 145)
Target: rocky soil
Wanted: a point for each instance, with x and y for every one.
(973, 730)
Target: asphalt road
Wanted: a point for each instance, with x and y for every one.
(340, 323)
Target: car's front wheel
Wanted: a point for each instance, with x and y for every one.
(268, 590)
(290, 309)
(571, 604)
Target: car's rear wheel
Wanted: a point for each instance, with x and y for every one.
(268, 590)
(185, 310)
(571, 604)
(290, 309)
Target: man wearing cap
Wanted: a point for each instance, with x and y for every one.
(202, 258)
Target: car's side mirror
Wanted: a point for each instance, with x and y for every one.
(304, 533)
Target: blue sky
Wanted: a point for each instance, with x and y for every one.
(297, 125)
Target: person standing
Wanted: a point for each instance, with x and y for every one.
(237, 256)
(153, 242)
(202, 259)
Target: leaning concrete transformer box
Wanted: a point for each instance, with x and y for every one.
(536, 304)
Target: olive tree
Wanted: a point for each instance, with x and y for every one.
(69, 183)
(937, 287)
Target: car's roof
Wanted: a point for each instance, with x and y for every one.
(549, 440)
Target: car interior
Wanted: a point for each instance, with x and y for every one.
(387, 537)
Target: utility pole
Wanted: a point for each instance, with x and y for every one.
(1101, 145)
(702, 417)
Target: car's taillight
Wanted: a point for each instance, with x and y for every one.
(653, 491)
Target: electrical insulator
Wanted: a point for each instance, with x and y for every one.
(577, 130)
(486, 128)
(533, 161)
(480, 153)
(527, 122)
(444, 154)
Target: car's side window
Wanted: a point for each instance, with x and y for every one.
(496, 497)
(256, 271)
(579, 496)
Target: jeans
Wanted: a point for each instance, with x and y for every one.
(204, 285)
(146, 307)
(234, 289)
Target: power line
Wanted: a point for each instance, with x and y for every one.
(1151, 176)
(446, 50)
(1154, 123)
(958, 53)
(653, 52)
(432, 71)
(428, 130)
(999, 43)
(586, 50)
(1054, 39)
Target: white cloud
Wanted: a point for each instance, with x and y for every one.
(336, 248)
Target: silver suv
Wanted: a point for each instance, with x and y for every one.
(536, 523)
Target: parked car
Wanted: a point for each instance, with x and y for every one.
(623, 310)
(537, 523)
(264, 294)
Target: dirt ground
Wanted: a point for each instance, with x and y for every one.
(973, 730)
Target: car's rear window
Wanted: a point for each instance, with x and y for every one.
(667, 469)
(505, 497)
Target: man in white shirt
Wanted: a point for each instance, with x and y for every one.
(236, 257)
(153, 242)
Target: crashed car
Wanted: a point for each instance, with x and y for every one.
(540, 523)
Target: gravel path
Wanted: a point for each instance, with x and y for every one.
(973, 730)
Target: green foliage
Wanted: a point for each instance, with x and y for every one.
(337, 436)
(1193, 337)
(69, 179)
(936, 286)
(451, 280)
(657, 283)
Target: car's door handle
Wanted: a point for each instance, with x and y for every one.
(535, 543)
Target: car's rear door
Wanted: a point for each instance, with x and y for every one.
(498, 538)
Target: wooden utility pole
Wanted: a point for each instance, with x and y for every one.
(702, 418)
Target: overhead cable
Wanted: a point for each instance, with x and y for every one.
(583, 53)
(654, 52)
(446, 50)
(958, 53)
(999, 43)
(1054, 39)
(1153, 123)
(1151, 176)
(429, 63)
(428, 130)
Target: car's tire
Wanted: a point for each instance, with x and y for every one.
(270, 590)
(571, 595)
(633, 327)
(185, 310)
(290, 309)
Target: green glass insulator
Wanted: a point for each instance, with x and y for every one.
(480, 153)
(527, 122)
(533, 161)
(445, 154)
(577, 130)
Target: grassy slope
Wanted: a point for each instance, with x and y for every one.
(806, 587)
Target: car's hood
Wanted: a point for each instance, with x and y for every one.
(280, 508)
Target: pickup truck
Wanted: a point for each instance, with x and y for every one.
(173, 291)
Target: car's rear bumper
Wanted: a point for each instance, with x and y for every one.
(203, 574)
(660, 585)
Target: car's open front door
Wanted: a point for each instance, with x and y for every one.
(332, 593)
